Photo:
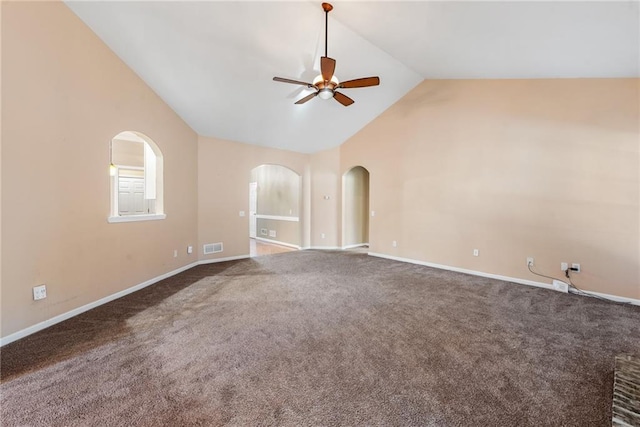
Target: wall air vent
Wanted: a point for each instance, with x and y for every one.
(212, 248)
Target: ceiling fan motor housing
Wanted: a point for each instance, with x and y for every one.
(325, 88)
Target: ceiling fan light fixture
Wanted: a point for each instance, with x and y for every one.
(325, 93)
(326, 83)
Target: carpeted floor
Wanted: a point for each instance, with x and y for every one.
(323, 338)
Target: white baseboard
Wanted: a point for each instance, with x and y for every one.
(69, 314)
(614, 297)
(357, 245)
(230, 258)
(324, 248)
(498, 277)
(277, 242)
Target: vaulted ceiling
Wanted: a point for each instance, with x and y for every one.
(213, 62)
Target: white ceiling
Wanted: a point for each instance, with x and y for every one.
(213, 62)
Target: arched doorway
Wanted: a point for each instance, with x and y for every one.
(274, 210)
(355, 208)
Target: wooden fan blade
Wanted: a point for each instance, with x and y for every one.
(295, 82)
(342, 99)
(307, 98)
(363, 82)
(327, 67)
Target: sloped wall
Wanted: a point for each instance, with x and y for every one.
(64, 96)
(513, 168)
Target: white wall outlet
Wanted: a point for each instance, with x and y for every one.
(560, 286)
(394, 244)
(39, 292)
(175, 253)
(322, 235)
(373, 213)
(575, 267)
(272, 233)
(241, 213)
(189, 249)
(476, 252)
(530, 261)
(564, 266)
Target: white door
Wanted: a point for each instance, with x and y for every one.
(253, 206)
(131, 199)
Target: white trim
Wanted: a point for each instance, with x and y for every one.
(69, 314)
(324, 248)
(498, 277)
(357, 245)
(613, 297)
(76, 311)
(229, 258)
(278, 217)
(277, 242)
(134, 218)
(133, 168)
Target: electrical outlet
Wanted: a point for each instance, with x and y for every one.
(263, 231)
(241, 213)
(530, 261)
(564, 266)
(175, 253)
(39, 292)
(560, 286)
(272, 233)
(575, 267)
(189, 249)
(394, 244)
(322, 235)
(476, 252)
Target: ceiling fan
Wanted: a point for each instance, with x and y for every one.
(326, 84)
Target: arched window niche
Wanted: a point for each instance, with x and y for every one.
(136, 170)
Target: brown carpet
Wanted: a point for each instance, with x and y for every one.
(323, 338)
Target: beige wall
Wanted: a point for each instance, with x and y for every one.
(224, 173)
(355, 206)
(325, 194)
(286, 231)
(278, 190)
(65, 95)
(278, 194)
(127, 153)
(514, 168)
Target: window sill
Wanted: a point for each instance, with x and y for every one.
(136, 218)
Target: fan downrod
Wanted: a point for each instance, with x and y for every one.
(325, 84)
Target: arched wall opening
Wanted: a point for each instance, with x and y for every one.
(136, 170)
(275, 196)
(355, 208)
